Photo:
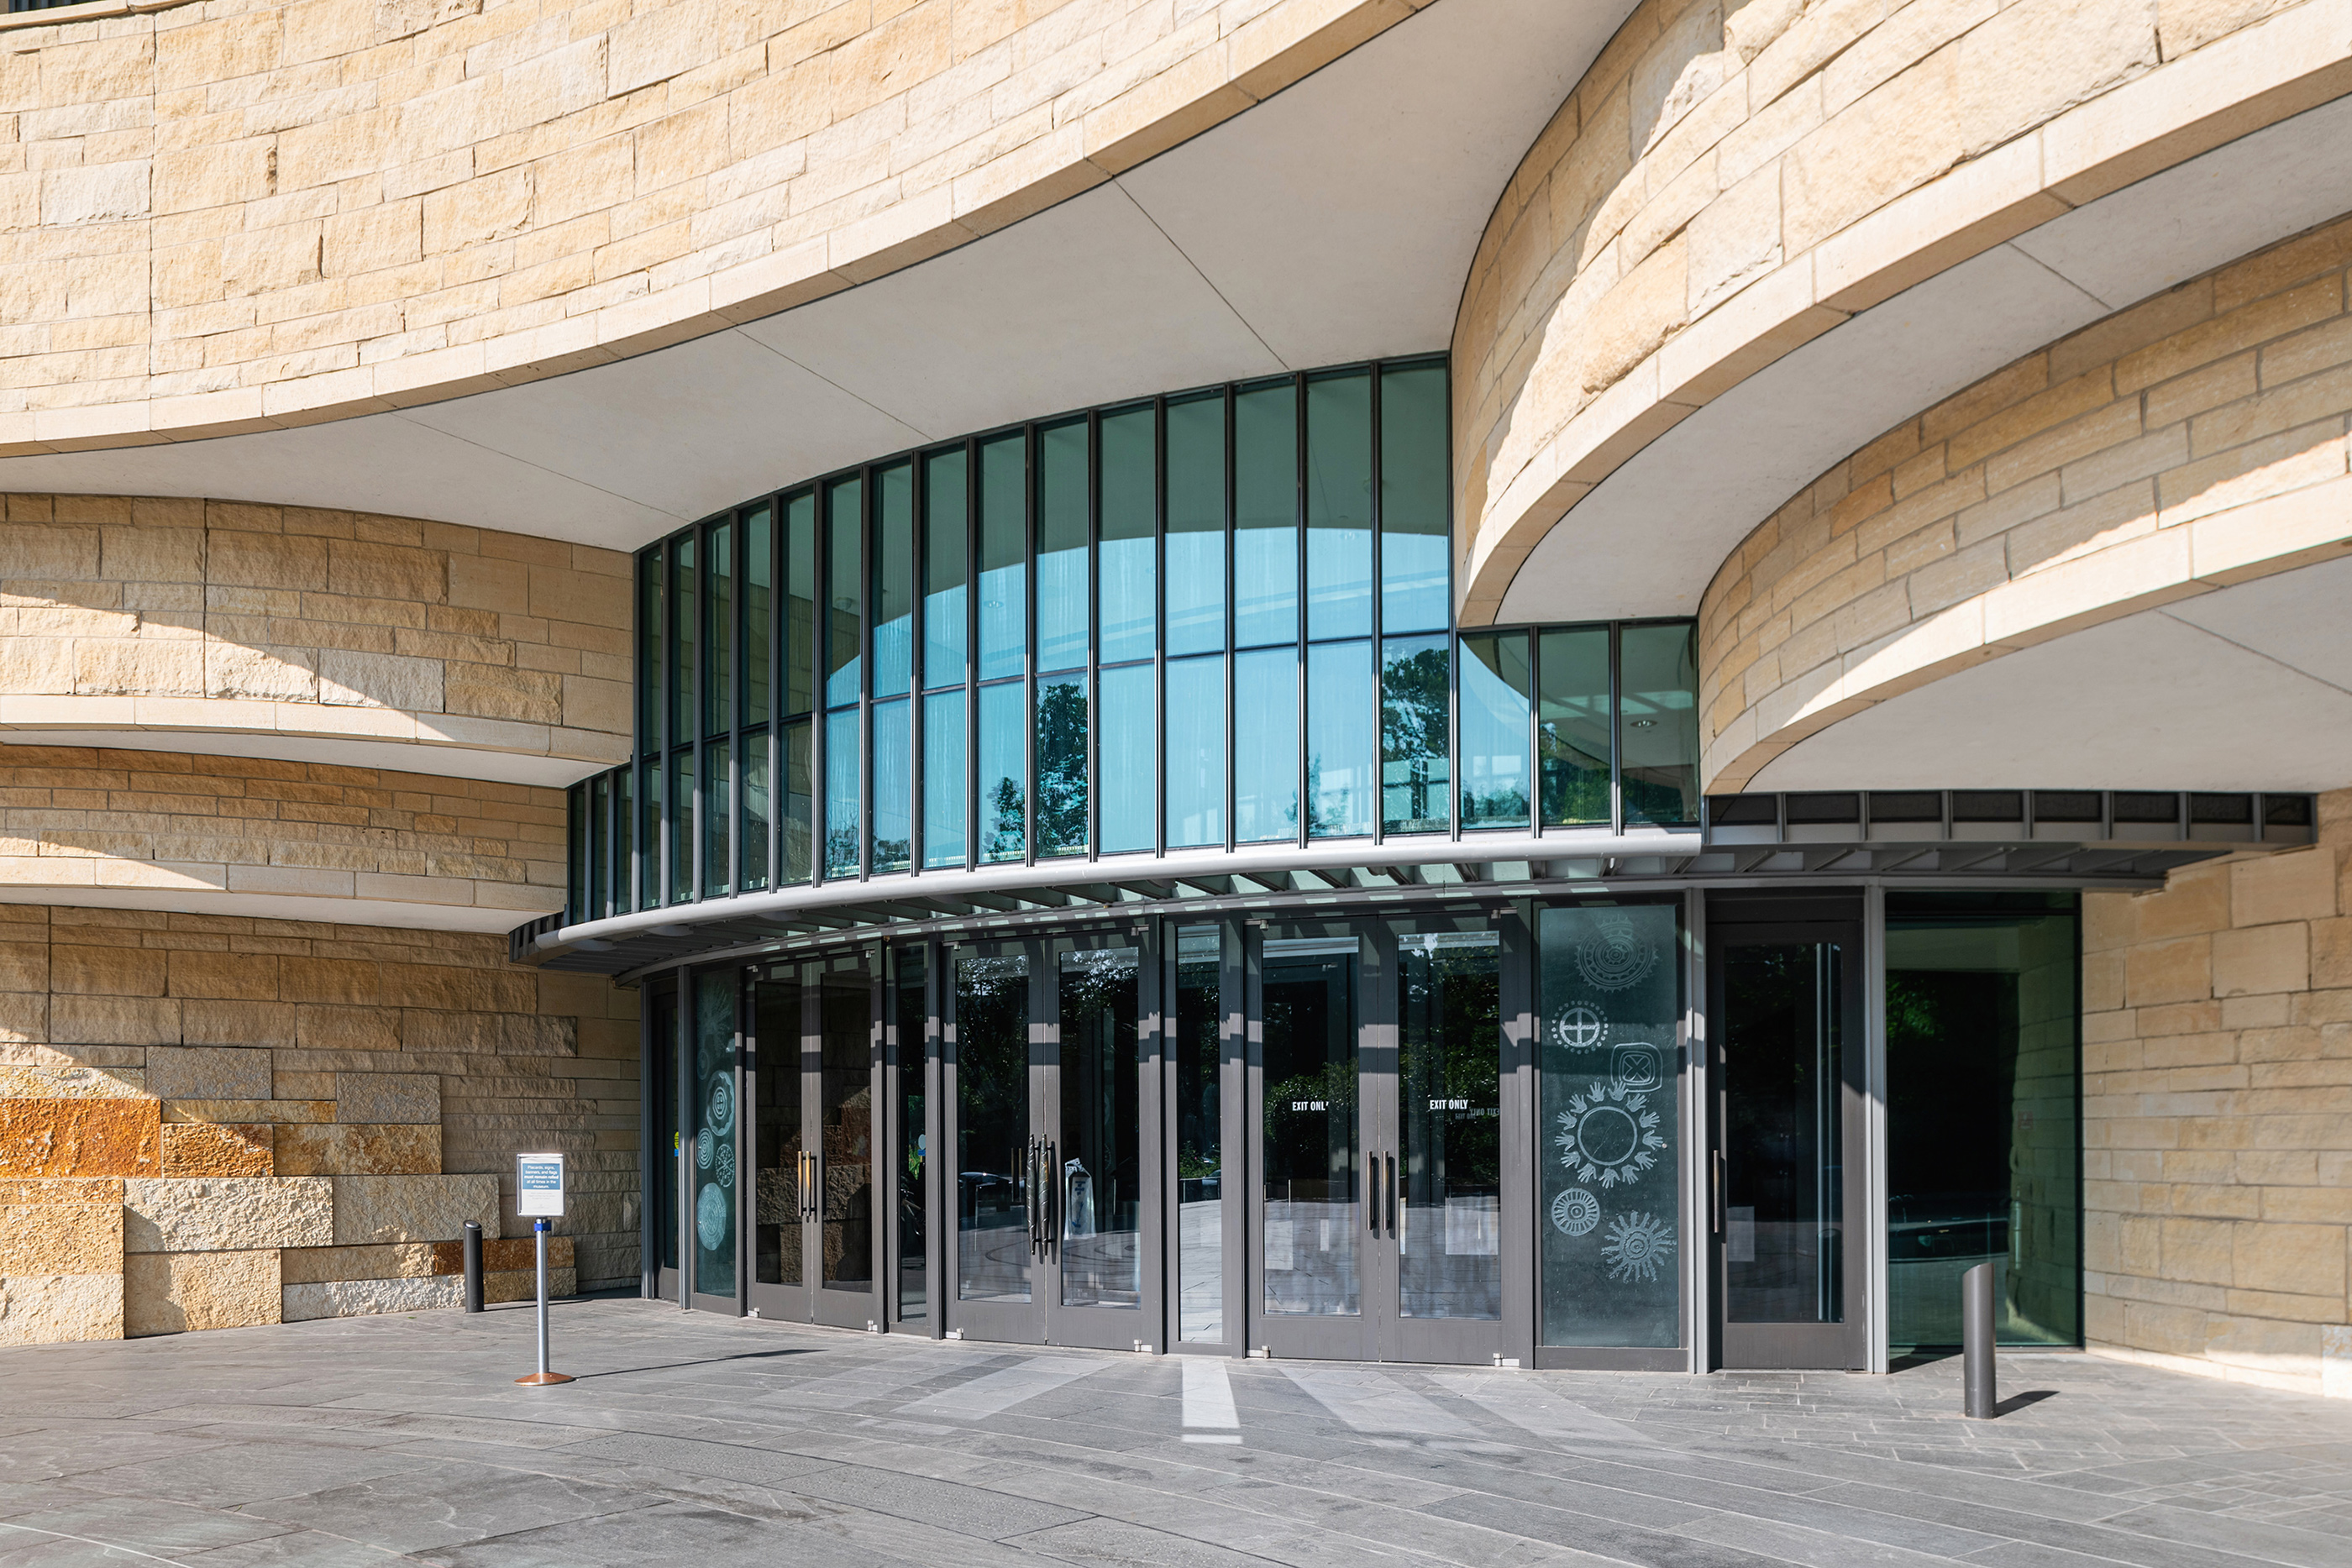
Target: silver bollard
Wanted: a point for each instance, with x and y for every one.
(542, 1377)
(1976, 1341)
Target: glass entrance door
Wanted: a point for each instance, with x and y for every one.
(1788, 1062)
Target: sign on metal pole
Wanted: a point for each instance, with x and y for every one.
(538, 1194)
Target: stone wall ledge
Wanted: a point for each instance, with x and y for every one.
(86, 11)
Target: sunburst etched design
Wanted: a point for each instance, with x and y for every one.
(1638, 1246)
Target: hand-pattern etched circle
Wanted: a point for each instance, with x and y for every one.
(1576, 1212)
(726, 1165)
(1608, 1134)
(1638, 1247)
(710, 1217)
(1613, 957)
(1581, 1026)
(722, 1108)
(705, 1148)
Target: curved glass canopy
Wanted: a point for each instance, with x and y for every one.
(1204, 620)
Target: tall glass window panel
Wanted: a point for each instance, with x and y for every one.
(1102, 1129)
(625, 842)
(1339, 506)
(800, 603)
(1125, 567)
(578, 839)
(1200, 1138)
(841, 824)
(1609, 984)
(759, 810)
(1265, 746)
(669, 1146)
(794, 850)
(1983, 1114)
(1062, 616)
(894, 786)
(718, 817)
(1783, 1155)
(1196, 524)
(681, 827)
(944, 568)
(843, 592)
(1415, 792)
(681, 639)
(776, 1201)
(1062, 765)
(1003, 772)
(715, 1134)
(846, 1126)
(1124, 761)
(1003, 557)
(759, 613)
(1265, 515)
(719, 630)
(988, 1049)
(1497, 685)
(1658, 702)
(652, 835)
(1196, 751)
(894, 579)
(1309, 1248)
(1339, 741)
(599, 848)
(1572, 726)
(912, 1023)
(1449, 1125)
(651, 682)
(943, 780)
(1414, 540)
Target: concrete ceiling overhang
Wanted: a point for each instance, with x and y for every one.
(1334, 222)
(1649, 538)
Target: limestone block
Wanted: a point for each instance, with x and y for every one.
(358, 1150)
(58, 1308)
(326, 1265)
(207, 1072)
(2175, 971)
(80, 1189)
(179, 1292)
(42, 1239)
(224, 1214)
(2297, 887)
(514, 1252)
(277, 1112)
(2336, 1361)
(2266, 959)
(410, 1207)
(218, 1149)
(388, 1097)
(522, 1284)
(79, 1138)
(361, 1298)
(31, 1083)
(379, 680)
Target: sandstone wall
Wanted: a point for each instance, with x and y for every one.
(207, 1123)
(238, 214)
(2192, 441)
(2217, 1041)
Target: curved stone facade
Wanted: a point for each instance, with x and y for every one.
(2191, 441)
(228, 216)
(1726, 185)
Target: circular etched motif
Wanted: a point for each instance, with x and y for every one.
(1608, 1134)
(1576, 1212)
(1613, 957)
(1580, 1027)
(726, 1165)
(1635, 1065)
(710, 1217)
(1638, 1246)
(722, 1108)
(705, 1146)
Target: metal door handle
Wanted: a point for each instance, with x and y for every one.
(1392, 1197)
(1717, 1173)
(1372, 1192)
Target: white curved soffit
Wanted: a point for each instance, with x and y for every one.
(1650, 536)
(1336, 221)
(2255, 693)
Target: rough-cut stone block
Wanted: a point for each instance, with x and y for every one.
(223, 1214)
(514, 1252)
(219, 1149)
(178, 1292)
(358, 1151)
(29, 1083)
(326, 1265)
(73, 1190)
(207, 1072)
(79, 1138)
(522, 1284)
(57, 1308)
(46, 1238)
(410, 1207)
(360, 1298)
(388, 1097)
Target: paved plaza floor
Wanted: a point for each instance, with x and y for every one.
(695, 1441)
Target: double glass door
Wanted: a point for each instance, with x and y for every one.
(1051, 1059)
(812, 1060)
(1384, 1092)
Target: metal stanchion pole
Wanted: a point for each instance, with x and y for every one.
(539, 1230)
(1976, 1341)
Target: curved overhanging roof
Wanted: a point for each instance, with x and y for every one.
(1334, 222)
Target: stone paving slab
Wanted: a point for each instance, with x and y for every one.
(717, 1442)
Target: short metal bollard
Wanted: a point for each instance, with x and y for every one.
(473, 1265)
(1976, 1341)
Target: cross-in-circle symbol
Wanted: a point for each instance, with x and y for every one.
(1580, 1027)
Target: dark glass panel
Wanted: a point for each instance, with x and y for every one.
(776, 1205)
(1449, 1125)
(1102, 1128)
(846, 1129)
(759, 613)
(759, 810)
(844, 594)
(800, 789)
(1572, 726)
(681, 827)
(1125, 763)
(1659, 707)
(841, 802)
(943, 780)
(714, 1133)
(894, 781)
(1339, 506)
(1003, 557)
(800, 603)
(718, 817)
(624, 841)
(1266, 744)
(599, 849)
(1496, 687)
(1062, 765)
(1310, 1130)
(1415, 792)
(681, 639)
(913, 1027)
(1125, 591)
(1265, 515)
(1200, 1138)
(652, 681)
(945, 605)
(669, 1142)
(651, 835)
(1339, 741)
(1783, 1142)
(1414, 540)
(1062, 616)
(1196, 751)
(990, 1050)
(894, 579)
(1003, 772)
(1196, 524)
(719, 630)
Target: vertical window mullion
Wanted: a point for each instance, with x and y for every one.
(1160, 626)
(1033, 488)
(869, 508)
(971, 492)
(1305, 809)
(917, 697)
(1094, 567)
(1232, 650)
(1379, 780)
(1616, 731)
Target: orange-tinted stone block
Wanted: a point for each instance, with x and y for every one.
(499, 1254)
(217, 1149)
(80, 1138)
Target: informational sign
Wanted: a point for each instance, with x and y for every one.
(539, 1185)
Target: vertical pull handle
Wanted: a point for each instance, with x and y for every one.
(1393, 1196)
(1721, 1216)
(1372, 1192)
